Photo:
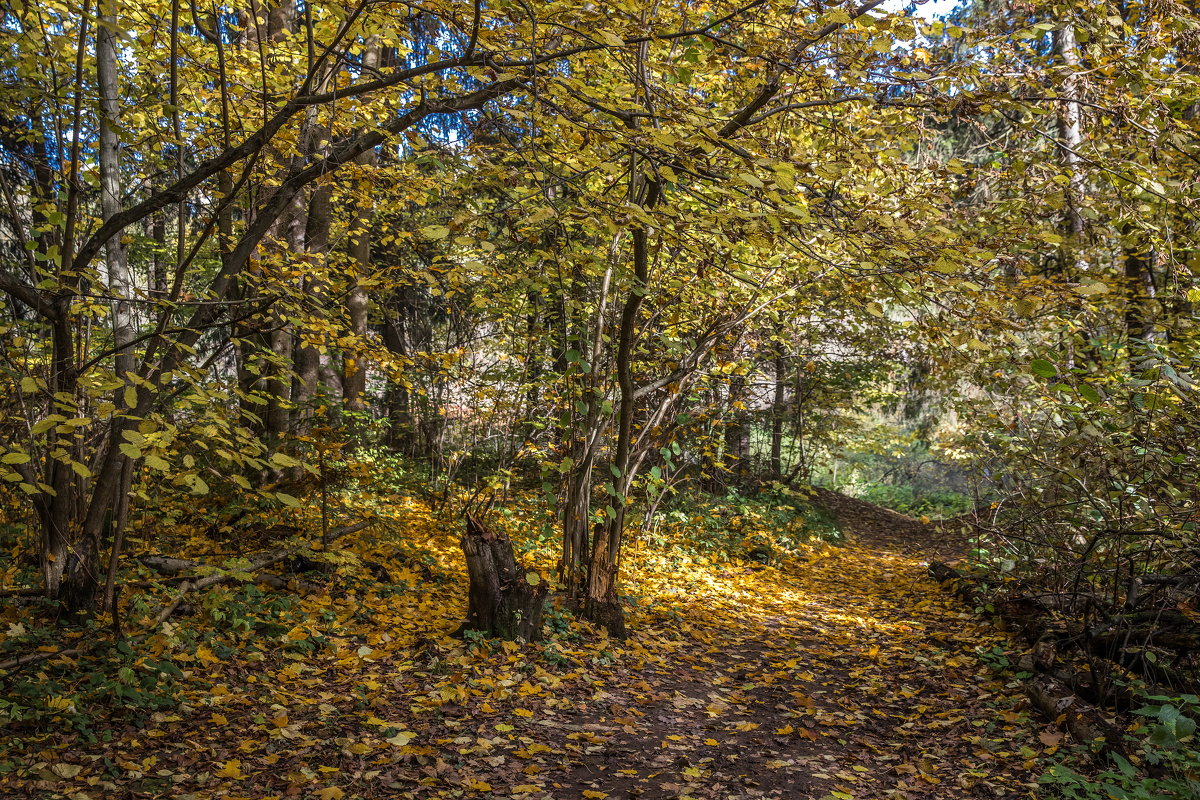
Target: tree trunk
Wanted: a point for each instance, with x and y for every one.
(737, 432)
(354, 379)
(1087, 725)
(158, 269)
(1139, 287)
(1070, 125)
(503, 601)
(290, 230)
(577, 498)
(317, 222)
(603, 602)
(316, 245)
(777, 412)
(79, 569)
(109, 154)
(279, 385)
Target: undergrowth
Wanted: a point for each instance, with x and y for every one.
(936, 504)
(1164, 761)
(776, 523)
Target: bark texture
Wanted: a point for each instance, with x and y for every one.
(502, 601)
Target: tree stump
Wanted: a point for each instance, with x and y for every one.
(502, 602)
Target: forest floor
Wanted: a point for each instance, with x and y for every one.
(843, 673)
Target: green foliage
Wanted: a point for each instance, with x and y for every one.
(1166, 749)
(939, 503)
(891, 465)
(151, 675)
(775, 522)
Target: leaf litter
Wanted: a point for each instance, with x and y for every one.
(843, 672)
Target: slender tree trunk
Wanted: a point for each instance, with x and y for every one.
(59, 508)
(280, 343)
(158, 267)
(1139, 288)
(777, 414)
(318, 220)
(116, 261)
(81, 576)
(535, 335)
(316, 245)
(401, 425)
(603, 602)
(577, 511)
(737, 431)
(354, 378)
(585, 435)
(801, 393)
(1070, 130)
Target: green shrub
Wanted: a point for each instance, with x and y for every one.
(938, 503)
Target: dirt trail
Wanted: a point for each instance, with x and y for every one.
(850, 676)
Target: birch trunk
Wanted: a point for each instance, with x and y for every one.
(1070, 127)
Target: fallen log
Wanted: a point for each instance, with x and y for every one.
(25, 591)
(1068, 710)
(1049, 689)
(267, 559)
(503, 601)
(171, 566)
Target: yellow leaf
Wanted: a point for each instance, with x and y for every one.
(231, 769)
(784, 731)
(331, 793)
(402, 738)
(594, 795)
(218, 719)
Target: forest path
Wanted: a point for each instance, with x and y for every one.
(849, 676)
(844, 674)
